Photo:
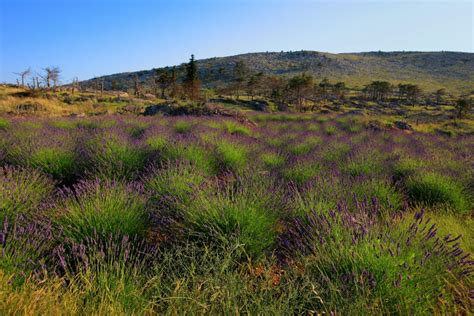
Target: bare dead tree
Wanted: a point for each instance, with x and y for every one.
(51, 76)
(102, 88)
(75, 85)
(136, 86)
(23, 75)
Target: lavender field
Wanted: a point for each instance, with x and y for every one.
(283, 214)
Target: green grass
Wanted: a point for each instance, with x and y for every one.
(301, 172)
(102, 208)
(22, 191)
(4, 123)
(59, 163)
(114, 157)
(175, 183)
(232, 156)
(246, 216)
(272, 160)
(387, 195)
(195, 154)
(183, 127)
(434, 189)
(237, 129)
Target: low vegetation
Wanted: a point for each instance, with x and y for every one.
(279, 214)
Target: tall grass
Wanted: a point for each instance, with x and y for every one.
(22, 192)
(105, 208)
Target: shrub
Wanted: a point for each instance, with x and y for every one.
(183, 127)
(58, 162)
(330, 129)
(24, 248)
(22, 192)
(4, 123)
(406, 167)
(195, 154)
(306, 146)
(114, 155)
(272, 160)
(236, 129)
(363, 167)
(247, 214)
(381, 190)
(431, 189)
(175, 183)
(336, 152)
(353, 266)
(103, 208)
(231, 156)
(301, 171)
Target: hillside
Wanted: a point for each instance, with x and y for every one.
(431, 70)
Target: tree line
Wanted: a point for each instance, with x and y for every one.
(302, 91)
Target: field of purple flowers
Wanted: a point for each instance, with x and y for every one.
(295, 214)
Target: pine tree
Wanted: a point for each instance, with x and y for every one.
(191, 80)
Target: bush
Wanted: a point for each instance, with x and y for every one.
(183, 127)
(301, 171)
(103, 208)
(231, 156)
(59, 163)
(236, 129)
(4, 123)
(246, 214)
(431, 189)
(195, 154)
(272, 160)
(114, 155)
(353, 267)
(22, 192)
(175, 183)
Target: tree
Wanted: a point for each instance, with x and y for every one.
(241, 74)
(163, 80)
(253, 84)
(51, 75)
(409, 92)
(463, 106)
(136, 86)
(439, 94)
(378, 90)
(301, 87)
(23, 75)
(340, 90)
(174, 87)
(191, 81)
(75, 85)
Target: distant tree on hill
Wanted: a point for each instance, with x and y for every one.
(463, 106)
(136, 87)
(301, 87)
(339, 90)
(175, 90)
(191, 81)
(163, 80)
(23, 75)
(254, 83)
(240, 74)
(378, 90)
(324, 88)
(51, 76)
(439, 94)
(409, 92)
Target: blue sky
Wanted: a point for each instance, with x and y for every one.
(92, 38)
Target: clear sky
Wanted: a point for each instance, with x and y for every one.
(87, 38)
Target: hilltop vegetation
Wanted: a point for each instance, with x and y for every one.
(430, 70)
